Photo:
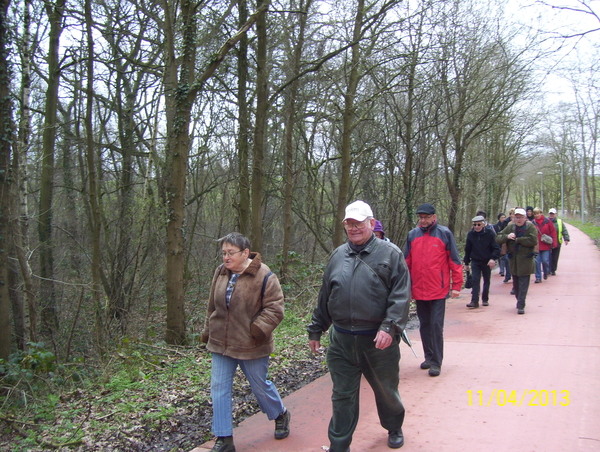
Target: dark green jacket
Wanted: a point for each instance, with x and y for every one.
(521, 251)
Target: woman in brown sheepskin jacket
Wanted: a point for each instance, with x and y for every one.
(245, 306)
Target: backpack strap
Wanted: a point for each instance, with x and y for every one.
(264, 285)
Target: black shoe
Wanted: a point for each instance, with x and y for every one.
(396, 439)
(485, 303)
(512, 291)
(553, 273)
(473, 305)
(501, 274)
(521, 311)
(545, 275)
(537, 281)
(434, 370)
(425, 365)
(223, 444)
(506, 280)
(282, 425)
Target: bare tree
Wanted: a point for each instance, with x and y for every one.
(6, 140)
(181, 88)
(49, 318)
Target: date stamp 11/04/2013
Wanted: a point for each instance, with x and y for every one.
(526, 397)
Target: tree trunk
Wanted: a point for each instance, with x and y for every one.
(178, 106)
(258, 151)
(6, 140)
(20, 228)
(347, 128)
(244, 124)
(49, 318)
(182, 89)
(93, 192)
(290, 122)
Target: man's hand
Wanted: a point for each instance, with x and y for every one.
(511, 236)
(455, 293)
(566, 242)
(491, 263)
(315, 346)
(382, 340)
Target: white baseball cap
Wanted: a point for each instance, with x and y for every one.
(553, 210)
(520, 211)
(359, 211)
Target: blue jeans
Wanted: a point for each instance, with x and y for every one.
(221, 382)
(542, 260)
(504, 267)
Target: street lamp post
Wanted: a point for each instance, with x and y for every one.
(542, 188)
(562, 189)
(523, 182)
(582, 181)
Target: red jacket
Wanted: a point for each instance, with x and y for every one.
(545, 226)
(432, 257)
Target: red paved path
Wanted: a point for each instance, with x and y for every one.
(555, 346)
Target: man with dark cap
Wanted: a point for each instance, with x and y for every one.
(435, 270)
(365, 295)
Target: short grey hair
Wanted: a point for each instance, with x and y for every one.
(235, 239)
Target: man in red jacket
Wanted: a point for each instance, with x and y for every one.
(435, 270)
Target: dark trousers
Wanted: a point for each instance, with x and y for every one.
(348, 357)
(520, 287)
(431, 315)
(479, 269)
(554, 258)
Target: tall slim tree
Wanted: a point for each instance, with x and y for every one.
(181, 90)
(244, 124)
(260, 128)
(93, 192)
(49, 318)
(348, 125)
(6, 140)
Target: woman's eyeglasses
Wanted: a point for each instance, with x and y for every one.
(230, 254)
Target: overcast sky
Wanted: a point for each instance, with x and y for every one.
(558, 19)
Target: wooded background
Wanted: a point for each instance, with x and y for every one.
(136, 133)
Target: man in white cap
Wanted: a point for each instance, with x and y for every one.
(520, 237)
(562, 235)
(365, 294)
